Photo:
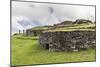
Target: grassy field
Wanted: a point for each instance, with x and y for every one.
(26, 50)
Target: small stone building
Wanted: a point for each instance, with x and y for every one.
(35, 31)
(30, 32)
(68, 41)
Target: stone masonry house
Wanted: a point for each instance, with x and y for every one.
(68, 41)
(69, 36)
(30, 32)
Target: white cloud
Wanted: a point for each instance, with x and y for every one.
(43, 14)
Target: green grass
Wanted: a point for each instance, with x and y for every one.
(74, 27)
(26, 50)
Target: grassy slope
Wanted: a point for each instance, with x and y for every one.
(25, 50)
(69, 27)
(73, 27)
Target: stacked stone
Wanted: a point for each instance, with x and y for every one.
(30, 32)
(68, 41)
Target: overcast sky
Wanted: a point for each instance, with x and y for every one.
(28, 14)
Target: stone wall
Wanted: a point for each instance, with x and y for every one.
(30, 32)
(68, 41)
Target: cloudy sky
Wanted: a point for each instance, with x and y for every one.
(29, 14)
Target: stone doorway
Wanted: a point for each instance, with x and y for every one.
(47, 46)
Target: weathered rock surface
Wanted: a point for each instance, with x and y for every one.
(68, 41)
